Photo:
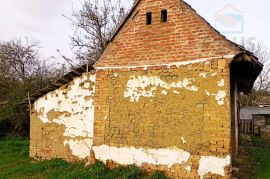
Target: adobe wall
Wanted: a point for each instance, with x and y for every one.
(173, 118)
(61, 124)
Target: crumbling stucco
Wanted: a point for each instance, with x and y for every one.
(220, 96)
(138, 156)
(214, 165)
(72, 108)
(79, 148)
(182, 100)
(169, 65)
(145, 86)
(221, 82)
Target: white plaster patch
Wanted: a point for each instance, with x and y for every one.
(164, 92)
(220, 97)
(176, 92)
(214, 74)
(86, 85)
(221, 82)
(214, 165)
(178, 64)
(145, 86)
(138, 156)
(79, 148)
(204, 75)
(183, 140)
(115, 75)
(188, 168)
(77, 112)
(207, 93)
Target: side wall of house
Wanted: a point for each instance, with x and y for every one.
(170, 118)
(62, 121)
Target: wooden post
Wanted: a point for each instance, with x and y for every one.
(87, 67)
(236, 98)
(29, 103)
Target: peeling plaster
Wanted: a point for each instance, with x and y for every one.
(183, 140)
(221, 82)
(207, 93)
(146, 86)
(188, 168)
(79, 148)
(220, 97)
(77, 112)
(177, 64)
(214, 165)
(138, 156)
(164, 92)
(204, 75)
(176, 92)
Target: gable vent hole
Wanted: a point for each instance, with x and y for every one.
(148, 18)
(164, 16)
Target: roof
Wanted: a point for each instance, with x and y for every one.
(250, 70)
(247, 111)
(264, 100)
(77, 72)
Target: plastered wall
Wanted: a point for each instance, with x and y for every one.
(62, 121)
(172, 118)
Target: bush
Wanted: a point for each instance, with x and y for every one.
(158, 175)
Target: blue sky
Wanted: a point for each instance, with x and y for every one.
(43, 20)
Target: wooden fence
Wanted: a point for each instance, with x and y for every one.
(246, 126)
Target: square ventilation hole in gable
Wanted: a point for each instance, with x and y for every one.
(148, 18)
(164, 16)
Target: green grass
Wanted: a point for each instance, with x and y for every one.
(15, 164)
(260, 154)
(253, 159)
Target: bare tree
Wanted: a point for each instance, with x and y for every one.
(22, 70)
(263, 53)
(18, 60)
(262, 84)
(94, 24)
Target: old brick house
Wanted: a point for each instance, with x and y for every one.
(162, 96)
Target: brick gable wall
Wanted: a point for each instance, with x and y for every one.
(185, 36)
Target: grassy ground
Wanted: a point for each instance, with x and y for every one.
(15, 164)
(254, 159)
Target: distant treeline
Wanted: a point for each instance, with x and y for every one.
(22, 71)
